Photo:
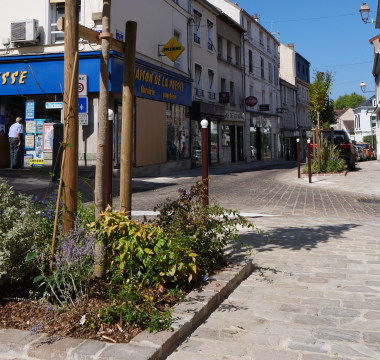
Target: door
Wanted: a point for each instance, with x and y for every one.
(240, 143)
(258, 142)
(233, 144)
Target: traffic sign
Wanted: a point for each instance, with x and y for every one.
(83, 105)
(173, 49)
(82, 85)
(83, 119)
(36, 163)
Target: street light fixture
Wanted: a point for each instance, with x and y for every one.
(363, 87)
(364, 12)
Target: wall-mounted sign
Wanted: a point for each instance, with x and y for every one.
(54, 105)
(224, 97)
(284, 110)
(264, 107)
(48, 137)
(29, 142)
(30, 127)
(251, 101)
(27, 158)
(173, 49)
(83, 105)
(29, 109)
(39, 126)
(82, 85)
(83, 119)
(39, 152)
(235, 116)
(36, 163)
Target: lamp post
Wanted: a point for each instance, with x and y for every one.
(363, 87)
(309, 159)
(298, 158)
(204, 124)
(364, 12)
(109, 152)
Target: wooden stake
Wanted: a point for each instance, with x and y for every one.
(319, 147)
(70, 193)
(62, 169)
(127, 118)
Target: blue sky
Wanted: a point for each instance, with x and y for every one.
(325, 42)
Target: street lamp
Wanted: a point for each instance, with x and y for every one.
(363, 87)
(364, 12)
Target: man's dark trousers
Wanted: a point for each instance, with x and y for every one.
(15, 153)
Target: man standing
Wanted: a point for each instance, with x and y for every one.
(15, 132)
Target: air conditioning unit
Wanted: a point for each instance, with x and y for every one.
(25, 31)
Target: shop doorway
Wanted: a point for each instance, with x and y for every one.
(258, 143)
(233, 144)
(240, 142)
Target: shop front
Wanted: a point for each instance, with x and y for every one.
(262, 136)
(215, 115)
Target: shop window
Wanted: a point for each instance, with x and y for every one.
(197, 27)
(57, 10)
(178, 63)
(177, 133)
(211, 85)
(262, 68)
(266, 142)
(250, 57)
(232, 93)
(237, 56)
(214, 148)
(226, 136)
(210, 36)
(198, 81)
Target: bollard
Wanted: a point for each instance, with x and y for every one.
(298, 158)
(204, 124)
(309, 159)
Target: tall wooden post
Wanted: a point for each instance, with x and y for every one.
(319, 146)
(298, 158)
(109, 159)
(204, 124)
(127, 118)
(332, 137)
(70, 178)
(100, 204)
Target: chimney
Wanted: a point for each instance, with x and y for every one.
(256, 18)
(291, 45)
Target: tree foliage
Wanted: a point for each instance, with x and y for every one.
(351, 101)
(319, 98)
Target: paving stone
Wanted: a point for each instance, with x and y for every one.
(321, 302)
(372, 315)
(191, 345)
(87, 350)
(337, 334)
(218, 348)
(361, 305)
(271, 354)
(308, 344)
(15, 342)
(53, 348)
(340, 312)
(364, 289)
(360, 323)
(373, 283)
(306, 293)
(354, 350)
(314, 320)
(127, 351)
(321, 357)
(256, 339)
(330, 275)
(299, 309)
(372, 337)
(289, 329)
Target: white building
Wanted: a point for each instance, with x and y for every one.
(261, 64)
(365, 119)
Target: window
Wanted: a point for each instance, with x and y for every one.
(223, 85)
(198, 80)
(211, 91)
(357, 121)
(275, 50)
(237, 56)
(275, 76)
(251, 91)
(276, 101)
(307, 95)
(229, 51)
(210, 35)
(270, 72)
(268, 44)
(303, 69)
(242, 21)
(220, 47)
(284, 96)
(293, 97)
(261, 38)
(178, 63)
(263, 96)
(299, 66)
(177, 2)
(226, 136)
(177, 133)
(249, 29)
(262, 68)
(197, 27)
(271, 102)
(303, 93)
(250, 61)
(232, 93)
(58, 10)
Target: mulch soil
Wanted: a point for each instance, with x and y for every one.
(18, 313)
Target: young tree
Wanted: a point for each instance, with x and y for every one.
(319, 92)
(352, 101)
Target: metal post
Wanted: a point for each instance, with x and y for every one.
(309, 159)
(109, 152)
(298, 158)
(314, 158)
(70, 171)
(127, 118)
(319, 147)
(204, 124)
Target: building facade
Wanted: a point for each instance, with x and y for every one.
(365, 120)
(376, 74)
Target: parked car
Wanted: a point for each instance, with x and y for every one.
(342, 139)
(361, 152)
(373, 154)
(367, 149)
(364, 152)
(253, 151)
(357, 153)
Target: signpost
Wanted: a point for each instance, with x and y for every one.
(83, 105)
(82, 85)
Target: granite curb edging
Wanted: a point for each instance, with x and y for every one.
(187, 316)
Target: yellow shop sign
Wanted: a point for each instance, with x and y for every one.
(173, 49)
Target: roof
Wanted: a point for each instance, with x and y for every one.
(210, 6)
(231, 22)
(302, 57)
(340, 112)
(287, 83)
(374, 38)
(368, 102)
(350, 125)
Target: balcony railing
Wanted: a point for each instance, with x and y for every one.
(197, 39)
(211, 95)
(210, 46)
(199, 92)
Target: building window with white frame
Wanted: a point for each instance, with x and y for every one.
(250, 61)
(197, 26)
(249, 29)
(262, 68)
(198, 81)
(261, 38)
(237, 55)
(268, 44)
(229, 51)
(211, 85)
(284, 92)
(178, 62)
(210, 35)
(262, 96)
(270, 66)
(271, 102)
(220, 47)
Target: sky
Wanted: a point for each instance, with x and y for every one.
(332, 37)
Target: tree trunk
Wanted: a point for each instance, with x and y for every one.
(103, 128)
(70, 178)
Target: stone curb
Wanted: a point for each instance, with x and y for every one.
(323, 175)
(187, 316)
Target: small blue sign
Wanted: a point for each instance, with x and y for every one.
(83, 105)
(29, 110)
(119, 35)
(54, 105)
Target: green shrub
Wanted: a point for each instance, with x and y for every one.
(335, 164)
(16, 232)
